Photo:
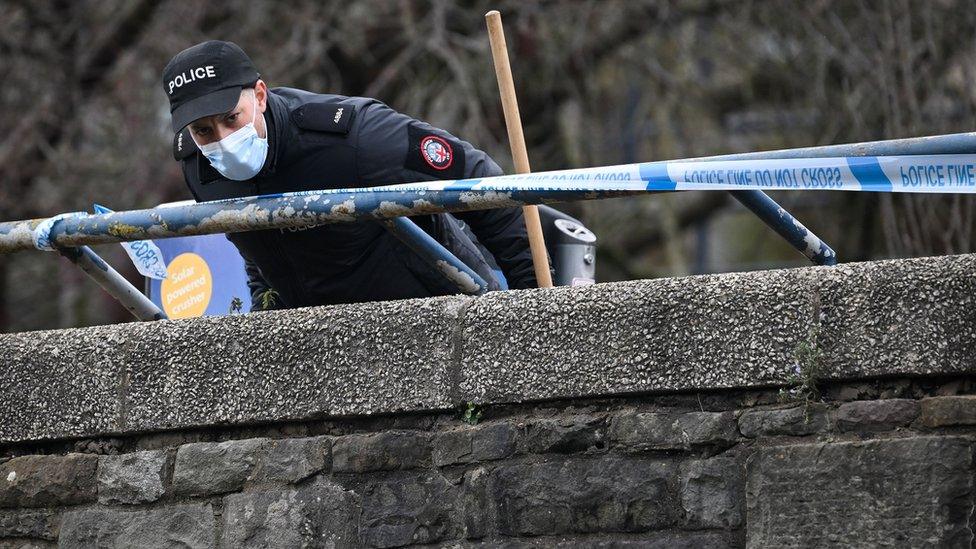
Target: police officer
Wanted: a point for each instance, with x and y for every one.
(235, 137)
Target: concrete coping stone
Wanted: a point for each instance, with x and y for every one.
(911, 317)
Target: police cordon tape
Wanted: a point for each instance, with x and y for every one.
(145, 254)
(940, 173)
(951, 173)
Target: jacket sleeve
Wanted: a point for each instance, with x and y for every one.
(501, 230)
(389, 151)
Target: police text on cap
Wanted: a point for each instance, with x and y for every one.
(195, 73)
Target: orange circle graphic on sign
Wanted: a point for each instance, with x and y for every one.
(187, 288)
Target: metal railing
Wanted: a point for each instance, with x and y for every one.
(72, 235)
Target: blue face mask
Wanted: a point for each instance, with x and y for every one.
(240, 155)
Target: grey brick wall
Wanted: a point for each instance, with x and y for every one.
(733, 470)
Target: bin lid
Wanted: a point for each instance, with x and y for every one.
(575, 231)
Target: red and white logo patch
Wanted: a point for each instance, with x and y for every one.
(436, 152)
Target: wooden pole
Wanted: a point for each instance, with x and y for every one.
(506, 88)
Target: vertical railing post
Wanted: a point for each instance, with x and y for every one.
(114, 283)
(437, 256)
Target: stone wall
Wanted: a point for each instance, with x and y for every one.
(814, 407)
(711, 470)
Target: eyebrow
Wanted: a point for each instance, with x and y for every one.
(228, 113)
(222, 117)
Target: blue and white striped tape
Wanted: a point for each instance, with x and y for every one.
(41, 234)
(145, 254)
(949, 173)
(930, 174)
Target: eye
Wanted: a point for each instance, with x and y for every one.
(201, 131)
(232, 117)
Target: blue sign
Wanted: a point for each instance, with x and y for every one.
(205, 277)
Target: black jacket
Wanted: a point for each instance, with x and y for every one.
(321, 141)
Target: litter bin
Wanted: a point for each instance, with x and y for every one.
(571, 246)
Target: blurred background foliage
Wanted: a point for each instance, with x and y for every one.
(83, 117)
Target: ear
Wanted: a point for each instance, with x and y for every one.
(261, 94)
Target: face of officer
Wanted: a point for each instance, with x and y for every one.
(250, 107)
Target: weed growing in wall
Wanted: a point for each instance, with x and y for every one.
(807, 371)
(470, 413)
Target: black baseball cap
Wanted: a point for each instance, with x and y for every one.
(205, 80)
